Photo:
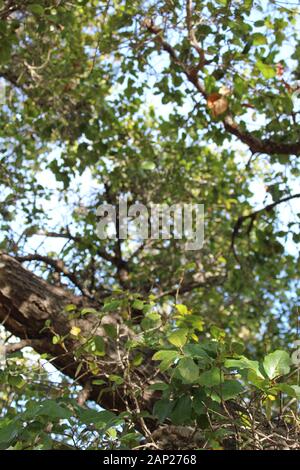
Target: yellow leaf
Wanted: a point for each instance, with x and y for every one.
(271, 397)
(75, 330)
(182, 309)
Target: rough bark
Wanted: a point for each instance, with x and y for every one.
(27, 302)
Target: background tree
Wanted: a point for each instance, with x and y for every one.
(173, 102)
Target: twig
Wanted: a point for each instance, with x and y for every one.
(84, 394)
(253, 216)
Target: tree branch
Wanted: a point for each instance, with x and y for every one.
(59, 266)
(253, 215)
(256, 145)
(191, 34)
(188, 71)
(27, 302)
(84, 394)
(78, 239)
(14, 347)
(188, 287)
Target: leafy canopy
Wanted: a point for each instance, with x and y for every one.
(170, 101)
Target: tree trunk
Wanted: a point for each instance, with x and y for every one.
(27, 302)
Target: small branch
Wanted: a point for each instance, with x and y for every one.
(191, 34)
(14, 347)
(253, 216)
(77, 239)
(256, 145)
(140, 249)
(84, 394)
(188, 71)
(184, 288)
(7, 11)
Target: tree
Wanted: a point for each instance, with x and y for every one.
(173, 102)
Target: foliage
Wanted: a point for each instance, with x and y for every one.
(175, 102)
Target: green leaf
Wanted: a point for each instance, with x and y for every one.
(89, 311)
(162, 409)
(53, 410)
(17, 381)
(199, 402)
(112, 305)
(167, 357)
(98, 382)
(237, 348)
(296, 389)
(196, 322)
(151, 320)
(259, 39)
(148, 166)
(56, 339)
(211, 378)
(96, 346)
(70, 308)
(178, 338)
(244, 363)
(116, 379)
(284, 388)
(277, 363)
(8, 432)
(137, 360)
(257, 381)
(159, 386)
(197, 352)
(99, 345)
(182, 410)
(230, 389)
(99, 418)
(268, 71)
(268, 407)
(247, 5)
(182, 309)
(110, 330)
(188, 369)
(138, 305)
(36, 9)
(217, 333)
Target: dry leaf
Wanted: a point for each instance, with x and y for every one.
(217, 103)
(279, 69)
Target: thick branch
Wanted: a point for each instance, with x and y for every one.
(25, 343)
(28, 302)
(256, 145)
